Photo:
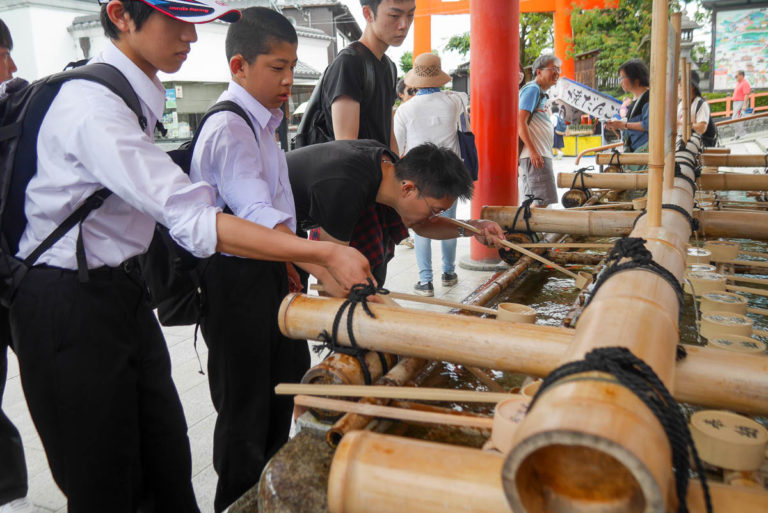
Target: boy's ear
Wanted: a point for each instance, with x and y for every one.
(368, 14)
(236, 65)
(118, 16)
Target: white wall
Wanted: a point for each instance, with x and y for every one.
(41, 42)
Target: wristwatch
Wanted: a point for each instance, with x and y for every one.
(461, 231)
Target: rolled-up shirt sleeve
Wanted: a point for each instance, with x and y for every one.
(144, 176)
(231, 161)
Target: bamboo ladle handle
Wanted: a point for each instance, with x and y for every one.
(581, 281)
(427, 300)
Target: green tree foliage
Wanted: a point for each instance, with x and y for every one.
(406, 62)
(459, 43)
(536, 35)
(620, 34)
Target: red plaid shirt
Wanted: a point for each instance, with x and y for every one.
(377, 232)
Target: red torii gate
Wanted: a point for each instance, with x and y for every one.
(495, 49)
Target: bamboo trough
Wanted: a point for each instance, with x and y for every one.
(633, 181)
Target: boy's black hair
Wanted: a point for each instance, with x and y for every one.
(258, 29)
(373, 4)
(400, 89)
(136, 9)
(437, 172)
(555, 108)
(741, 72)
(636, 71)
(5, 36)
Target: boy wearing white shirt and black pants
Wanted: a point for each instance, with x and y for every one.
(248, 355)
(94, 365)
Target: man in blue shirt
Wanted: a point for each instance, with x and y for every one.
(535, 174)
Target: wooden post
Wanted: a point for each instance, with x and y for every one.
(686, 85)
(705, 377)
(673, 60)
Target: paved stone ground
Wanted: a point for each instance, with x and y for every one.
(193, 387)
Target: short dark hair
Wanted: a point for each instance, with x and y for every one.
(555, 108)
(136, 9)
(437, 172)
(5, 36)
(636, 71)
(400, 88)
(545, 59)
(256, 31)
(373, 4)
(740, 72)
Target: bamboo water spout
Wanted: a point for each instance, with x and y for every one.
(704, 377)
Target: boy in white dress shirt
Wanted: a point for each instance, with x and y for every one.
(248, 355)
(94, 365)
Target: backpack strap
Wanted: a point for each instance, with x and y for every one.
(223, 106)
(369, 72)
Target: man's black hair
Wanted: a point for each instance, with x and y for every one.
(437, 172)
(5, 36)
(138, 11)
(555, 108)
(258, 29)
(636, 71)
(741, 72)
(373, 4)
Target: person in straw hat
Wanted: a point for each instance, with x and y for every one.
(431, 116)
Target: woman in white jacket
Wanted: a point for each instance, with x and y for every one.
(431, 116)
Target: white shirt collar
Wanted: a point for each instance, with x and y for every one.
(266, 118)
(149, 90)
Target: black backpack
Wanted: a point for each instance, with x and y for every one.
(21, 113)
(171, 273)
(710, 137)
(312, 128)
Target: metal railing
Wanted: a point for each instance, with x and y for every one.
(728, 112)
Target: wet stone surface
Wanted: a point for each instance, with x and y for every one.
(295, 479)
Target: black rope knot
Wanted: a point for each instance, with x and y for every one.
(630, 247)
(580, 174)
(358, 294)
(677, 208)
(525, 207)
(637, 376)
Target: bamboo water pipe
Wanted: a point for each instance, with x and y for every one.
(707, 159)
(386, 392)
(634, 181)
(597, 150)
(741, 119)
(581, 279)
(674, 70)
(713, 224)
(434, 478)
(704, 377)
(716, 151)
(686, 100)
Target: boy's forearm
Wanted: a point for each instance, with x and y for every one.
(242, 238)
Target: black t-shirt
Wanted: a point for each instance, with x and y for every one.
(345, 76)
(333, 183)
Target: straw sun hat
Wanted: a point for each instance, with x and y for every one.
(426, 72)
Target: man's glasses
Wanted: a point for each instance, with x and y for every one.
(554, 69)
(434, 211)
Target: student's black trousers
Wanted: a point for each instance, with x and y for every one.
(97, 377)
(247, 357)
(13, 468)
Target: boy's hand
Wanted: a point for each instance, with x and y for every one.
(536, 159)
(294, 281)
(332, 288)
(492, 232)
(348, 266)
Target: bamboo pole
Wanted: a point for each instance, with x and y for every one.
(389, 412)
(741, 119)
(704, 377)
(385, 392)
(707, 159)
(581, 281)
(686, 89)
(430, 477)
(578, 245)
(633, 181)
(759, 254)
(760, 311)
(744, 279)
(748, 290)
(670, 112)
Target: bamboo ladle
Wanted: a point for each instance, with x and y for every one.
(582, 279)
(422, 299)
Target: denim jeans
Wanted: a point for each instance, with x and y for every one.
(423, 247)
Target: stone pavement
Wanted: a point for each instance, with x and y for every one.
(193, 387)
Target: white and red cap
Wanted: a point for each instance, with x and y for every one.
(193, 11)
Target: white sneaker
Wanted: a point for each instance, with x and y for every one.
(18, 506)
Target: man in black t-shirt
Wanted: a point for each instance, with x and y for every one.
(335, 183)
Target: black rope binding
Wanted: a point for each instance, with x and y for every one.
(642, 259)
(357, 295)
(525, 206)
(614, 161)
(634, 374)
(670, 206)
(581, 173)
(679, 174)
